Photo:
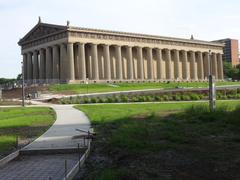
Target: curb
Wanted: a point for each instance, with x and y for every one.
(8, 158)
(72, 173)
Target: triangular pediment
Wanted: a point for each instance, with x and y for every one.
(41, 30)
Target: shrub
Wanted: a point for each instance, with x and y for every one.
(176, 97)
(149, 98)
(231, 91)
(93, 100)
(101, 100)
(166, 97)
(157, 98)
(237, 96)
(141, 98)
(238, 90)
(230, 96)
(116, 99)
(124, 98)
(135, 99)
(86, 100)
(185, 97)
(201, 96)
(194, 96)
(63, 101)
(224, 97)
(110, 99)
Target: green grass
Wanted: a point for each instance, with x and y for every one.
(94, 88)
(24, 123)
(151, 141)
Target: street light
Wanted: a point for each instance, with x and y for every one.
(23, 93)
(87, 84)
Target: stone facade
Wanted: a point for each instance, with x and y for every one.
(53, 53)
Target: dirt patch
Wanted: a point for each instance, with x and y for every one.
(52, 101)
(17, 92)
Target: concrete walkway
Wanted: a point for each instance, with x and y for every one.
(62, 134)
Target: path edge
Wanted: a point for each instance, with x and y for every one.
(72, 173)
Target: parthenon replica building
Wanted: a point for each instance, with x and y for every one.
(67, 54)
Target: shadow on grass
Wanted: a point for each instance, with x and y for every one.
(194, 144)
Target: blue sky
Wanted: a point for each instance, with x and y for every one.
(205, 19)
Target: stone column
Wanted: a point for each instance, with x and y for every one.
(168, 65)
(56, 59)
(220, 67)
(150, 63)
(25, 66)
(193, 69)
(48, 64)
(119, 62)
(42, 71)
(185, 69)
(140, 63)
(214, 65)
(63, 64)
(107, 65)
(35, 65)
(130, 63)
(30, 66)
(176, 65)
(200, 66)
(95, 62)
(206, 62)
(159, 64)
(82, 61)
(70, 61)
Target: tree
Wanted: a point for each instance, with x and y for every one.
(230, 71)
(19, 77)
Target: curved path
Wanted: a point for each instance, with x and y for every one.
(61, 135)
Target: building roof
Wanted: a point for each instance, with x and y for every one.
(53, 28)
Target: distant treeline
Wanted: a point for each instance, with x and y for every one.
(10, 80)
(6, 81)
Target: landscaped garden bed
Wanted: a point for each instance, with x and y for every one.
(156, 97)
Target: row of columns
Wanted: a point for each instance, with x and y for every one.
(78, 61)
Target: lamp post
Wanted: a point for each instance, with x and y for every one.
(87, 84)
(23, 93)
(212, 88)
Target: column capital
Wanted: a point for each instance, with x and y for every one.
(48, 47)
(93, 44)
(35, 51)
(106, 45)
(175, 50)
(55, 45)
(80, 43)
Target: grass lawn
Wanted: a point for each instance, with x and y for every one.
(94, 88)
(164, 141)
(24, 123)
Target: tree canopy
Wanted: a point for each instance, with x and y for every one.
(231, 71)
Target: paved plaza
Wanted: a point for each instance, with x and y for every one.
(34, 167)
